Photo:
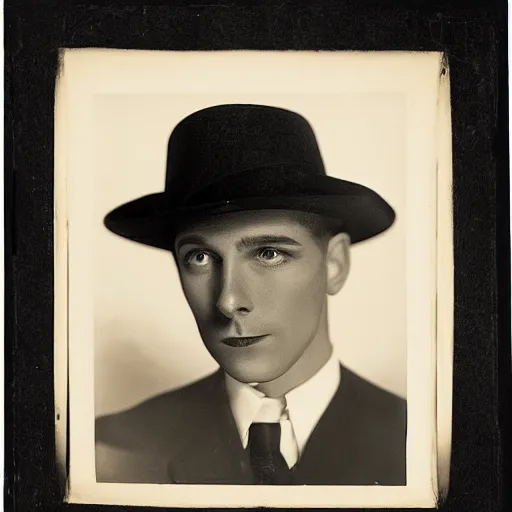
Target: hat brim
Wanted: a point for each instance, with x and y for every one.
(151, 220)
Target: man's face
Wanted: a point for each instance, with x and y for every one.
(257, 285)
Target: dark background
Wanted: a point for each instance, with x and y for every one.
(473, 33)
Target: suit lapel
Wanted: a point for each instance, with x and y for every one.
(210, 450)
(329, 456)
(322, 443)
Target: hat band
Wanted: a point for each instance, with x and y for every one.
(270, 181)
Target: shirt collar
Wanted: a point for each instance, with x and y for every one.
(306, 403)
(244, 400)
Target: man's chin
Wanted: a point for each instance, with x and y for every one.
(252, 373)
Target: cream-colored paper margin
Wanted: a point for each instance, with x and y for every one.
(60, 258)
(90, 72)
(445, 290)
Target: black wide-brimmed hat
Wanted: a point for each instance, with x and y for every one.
(231, 158)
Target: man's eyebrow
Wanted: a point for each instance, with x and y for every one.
(244, 243)
(252, 241)
(190, 239)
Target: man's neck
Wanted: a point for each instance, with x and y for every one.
(314, 357)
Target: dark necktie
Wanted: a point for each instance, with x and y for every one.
(268, 464)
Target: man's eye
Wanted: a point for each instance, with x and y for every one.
(197, 259)
(269, 255)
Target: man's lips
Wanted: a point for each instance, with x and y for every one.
(243, 341)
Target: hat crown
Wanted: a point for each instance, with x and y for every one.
(218, 142)
(238, 157)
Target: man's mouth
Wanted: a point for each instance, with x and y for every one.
(243, 341)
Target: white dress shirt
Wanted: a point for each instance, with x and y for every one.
(305, 406)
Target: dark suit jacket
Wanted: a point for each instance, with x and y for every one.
(189, 436)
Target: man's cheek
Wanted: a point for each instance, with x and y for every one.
(198, 304)
(306, 304)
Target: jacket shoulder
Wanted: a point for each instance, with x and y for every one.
(371, 396)
(146, 425)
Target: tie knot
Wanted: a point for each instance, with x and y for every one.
(271, 410)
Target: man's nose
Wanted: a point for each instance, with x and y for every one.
(234, 294)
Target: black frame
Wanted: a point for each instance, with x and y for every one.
(474, 36)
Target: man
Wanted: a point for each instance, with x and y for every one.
(261, 237)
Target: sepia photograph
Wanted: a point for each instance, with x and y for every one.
(261, 237)
(254, 278)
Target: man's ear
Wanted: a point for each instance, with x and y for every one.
(338, 262)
